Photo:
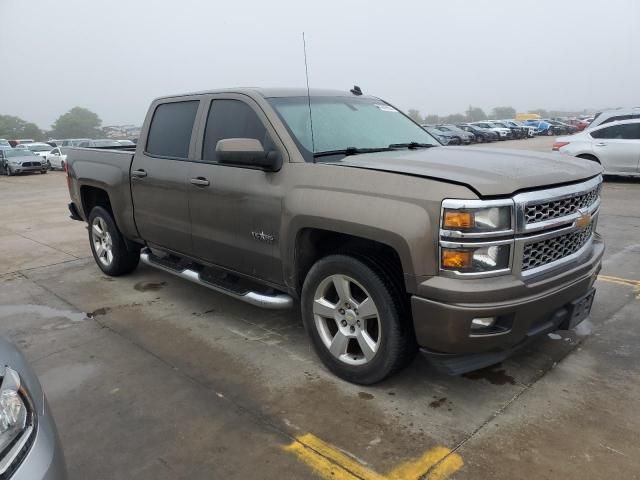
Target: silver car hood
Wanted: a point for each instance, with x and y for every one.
(488, 172)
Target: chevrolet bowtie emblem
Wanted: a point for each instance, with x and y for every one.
(584, 220)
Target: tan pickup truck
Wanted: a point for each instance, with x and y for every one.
(389, 242)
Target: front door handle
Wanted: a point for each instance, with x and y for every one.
(139, 173)
(601, 144)
(200, 182)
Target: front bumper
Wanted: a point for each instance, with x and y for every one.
(445, 307)
(42, 457)
(45, 459)
(21, 169)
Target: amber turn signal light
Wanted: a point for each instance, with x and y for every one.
(458, 219)
(456, 258)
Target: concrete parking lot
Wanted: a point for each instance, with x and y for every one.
(151, 377)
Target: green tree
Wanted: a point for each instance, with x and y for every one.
(415, 115)
(77, 122)
(454, 118)
(475, 114)
(15, 127)
(503, 112)
(431, 119)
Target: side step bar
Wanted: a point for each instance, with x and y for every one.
(274, 302)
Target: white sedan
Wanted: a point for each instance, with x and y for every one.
(615, 145)
(56, 158)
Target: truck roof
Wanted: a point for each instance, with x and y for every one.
(273, 92)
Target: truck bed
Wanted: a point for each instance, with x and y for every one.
(107, 169)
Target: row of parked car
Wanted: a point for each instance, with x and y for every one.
(26, 155)
(494, 130)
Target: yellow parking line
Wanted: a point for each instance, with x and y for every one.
(417, 468)
(620, 281)
(327, 461)
(330, 463)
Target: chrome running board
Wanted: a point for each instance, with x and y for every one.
(276, 301)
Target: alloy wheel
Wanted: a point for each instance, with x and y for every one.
(347, 320)
(102, 241)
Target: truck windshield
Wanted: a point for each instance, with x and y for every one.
(342, 123)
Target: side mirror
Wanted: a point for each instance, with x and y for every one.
(247, 152)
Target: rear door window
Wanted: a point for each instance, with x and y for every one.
(613, 132)
(171, 128)
(631, 131)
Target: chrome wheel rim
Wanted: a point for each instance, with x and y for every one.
(102, 242)
(347, 320)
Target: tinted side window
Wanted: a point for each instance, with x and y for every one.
(631, 131)
(609, 132)
(232, 119)
(170, 130)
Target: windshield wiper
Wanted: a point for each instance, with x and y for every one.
(411, 145)
(351, 151)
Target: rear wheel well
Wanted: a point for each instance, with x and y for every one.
(313, 244)
(94, 197)
(588, 156)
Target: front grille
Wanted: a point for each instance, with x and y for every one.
(30, 164)
(560, 208)
(537, 254)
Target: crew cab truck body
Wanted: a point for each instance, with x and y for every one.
(340, 201)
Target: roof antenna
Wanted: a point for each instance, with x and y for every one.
(356, 90)
(306, 71)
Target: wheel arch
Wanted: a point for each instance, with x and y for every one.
(311, 243)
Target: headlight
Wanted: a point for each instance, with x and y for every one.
(14, 163)
(490, 219)
(13, 411)
(476, 259)
(476, 237)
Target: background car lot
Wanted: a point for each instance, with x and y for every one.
(126, 364)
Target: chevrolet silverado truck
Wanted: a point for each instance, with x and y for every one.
(340, 203)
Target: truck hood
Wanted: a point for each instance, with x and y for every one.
(488, 172)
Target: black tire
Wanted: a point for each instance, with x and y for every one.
(62, 165)
(480, 139)
(43, 171)
(124, 260)
(9, 171)
(396, 337)
(550, 133)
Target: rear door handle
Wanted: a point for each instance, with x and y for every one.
(601, 144)
(139, 173)
(200, 182)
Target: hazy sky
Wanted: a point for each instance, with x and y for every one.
(437, 56)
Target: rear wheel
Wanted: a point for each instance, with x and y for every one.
(108, 245)
(550, 133)
(353, 314)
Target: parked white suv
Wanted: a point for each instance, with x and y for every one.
(615, 145)
(616, 115)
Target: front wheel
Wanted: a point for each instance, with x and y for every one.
(353, 315)
(108, 245)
